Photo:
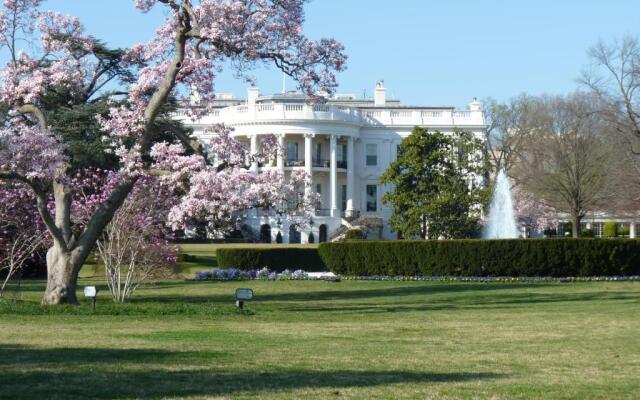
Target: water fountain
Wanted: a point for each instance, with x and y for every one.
(502, 221)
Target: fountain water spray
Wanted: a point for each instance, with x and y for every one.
(502, 221)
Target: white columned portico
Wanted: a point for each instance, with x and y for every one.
(281, 150)
(350, 175)
(254, 152)
(333, 178)
(308, 161)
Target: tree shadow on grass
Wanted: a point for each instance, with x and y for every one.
(13, 356)
(493, 301)
(351, 293)
(82, 373)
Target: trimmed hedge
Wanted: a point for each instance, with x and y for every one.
(276, 259)
(610, 229)
(354, 234)
(528, 257)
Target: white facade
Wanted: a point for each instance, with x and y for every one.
(345, 145)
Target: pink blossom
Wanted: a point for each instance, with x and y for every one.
(31, 153)
(533, 213)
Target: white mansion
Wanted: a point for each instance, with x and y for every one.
(345, 145)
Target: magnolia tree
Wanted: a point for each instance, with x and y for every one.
(533, 213)
(192, 45)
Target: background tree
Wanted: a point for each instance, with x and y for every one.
(22, 236)
(508, 127)
(565, 164)
(182, 59)
(613, 77)
(436, 185)
(134, 246)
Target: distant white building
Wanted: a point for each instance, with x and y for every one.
(345, 145)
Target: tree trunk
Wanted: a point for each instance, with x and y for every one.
(575, 225)
(62, 277)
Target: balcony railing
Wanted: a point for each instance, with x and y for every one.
(321, 163)
(328, 112)
(294, 163)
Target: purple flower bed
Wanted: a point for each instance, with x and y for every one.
(235, 274)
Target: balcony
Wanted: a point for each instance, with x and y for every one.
(294, 163)
(443, 116)
(321, 163)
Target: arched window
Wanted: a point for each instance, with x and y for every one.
(323, 233)
(294, 234)
(265, 233)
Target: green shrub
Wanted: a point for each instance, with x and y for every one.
(530, 257)
(610, 229)
(279, 237)
(354, 234)
(276, 259)
(586, 232)
(312, 239)
(624, 231)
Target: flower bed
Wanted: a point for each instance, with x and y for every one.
(236, 274)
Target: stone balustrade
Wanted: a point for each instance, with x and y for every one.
(357, 116)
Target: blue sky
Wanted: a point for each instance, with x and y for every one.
(428, 52)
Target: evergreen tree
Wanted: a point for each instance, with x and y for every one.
(435, 185)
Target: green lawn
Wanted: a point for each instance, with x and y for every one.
(321, 340)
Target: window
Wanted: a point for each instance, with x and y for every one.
(372, 198)
(319, 188)
(318, 152)
(372, 154)
(292, 151)
(341, 152)
(343, 197)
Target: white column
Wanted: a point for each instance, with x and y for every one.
(254, 152)
(334, 178)
(308, 161)
(632, 230)
(350, 175)
(281, 150)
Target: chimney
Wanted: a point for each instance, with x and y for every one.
(380, 98)
(252, 95)
(475, 105)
